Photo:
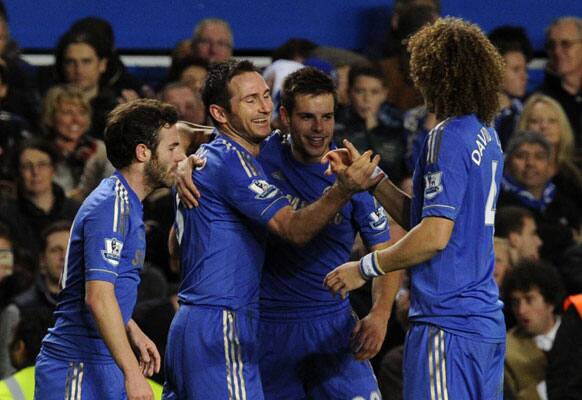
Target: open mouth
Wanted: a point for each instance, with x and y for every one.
(261, 121)
(316, 141)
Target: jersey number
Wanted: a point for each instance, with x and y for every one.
(490, 206)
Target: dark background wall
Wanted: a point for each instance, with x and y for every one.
(261, 24)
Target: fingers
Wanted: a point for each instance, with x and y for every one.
(157, 359)
(354, 153)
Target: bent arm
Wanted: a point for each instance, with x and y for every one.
(395, 202)
(384, 290)
(299, 227)
(421, 243)
(102, 303)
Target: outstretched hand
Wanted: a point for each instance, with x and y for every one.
(340, 159)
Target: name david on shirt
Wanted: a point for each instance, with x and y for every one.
(482, 140)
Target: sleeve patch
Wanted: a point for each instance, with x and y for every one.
(432, 184)
(377, 219)
(263, 189)
(112, 251)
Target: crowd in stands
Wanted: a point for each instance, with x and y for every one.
(52, 155)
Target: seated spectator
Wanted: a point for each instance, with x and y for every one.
(22, 97)
(518, 227)
(515, 48)
(545, 115)
(23, 351)
(527, 182)
(544, 350)
(369, 123)
(212, 40)
(81, 60)
(189, 70)
(563, 76)
(66, 117)
(189, 105)
(14, 128)
(43, 294)
(16, 268)
(39, 201)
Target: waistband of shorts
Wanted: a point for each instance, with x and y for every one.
(303, 314)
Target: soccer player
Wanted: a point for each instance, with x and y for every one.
(89, 354)
(455, 345)
(212, 344)
(301, 353)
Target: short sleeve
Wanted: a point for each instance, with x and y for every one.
(104, 236)
(246, 188)
(370, 219)
(445, 175)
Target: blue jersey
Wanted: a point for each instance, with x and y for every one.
(222, 242)
(292, 277)
(457, 177)
(107, 244)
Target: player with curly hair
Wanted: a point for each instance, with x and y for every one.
(456, 343)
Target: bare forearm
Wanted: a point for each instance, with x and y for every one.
(421, 243)
(107, 315)
(395, 202)
(384, 291)
(300, 226)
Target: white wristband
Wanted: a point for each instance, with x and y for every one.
(377, 171)
(369, 267)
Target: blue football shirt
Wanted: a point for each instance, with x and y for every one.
(107, 244)
(457, 177)
(293, 276)
(222, 242)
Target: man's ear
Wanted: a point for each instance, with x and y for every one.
(514, 240)
(142, 153)
(218, 113)
(285, 117)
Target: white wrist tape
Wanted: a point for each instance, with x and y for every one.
(369, 267)
(377, 171)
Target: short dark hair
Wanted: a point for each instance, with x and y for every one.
(364, 70)
(179, 65)
(216, 89)
(309, 81)
(36, 143)
(136, 122)
(522, 137)
(293, 49)
(528, 275)
(507, 38)
(101, 48)
(510, 219)
(57, 226)
(32, 327)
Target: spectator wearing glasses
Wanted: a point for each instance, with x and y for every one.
(212, 40)
(563, 79)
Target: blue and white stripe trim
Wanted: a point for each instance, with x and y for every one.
(437, 365)
(369, 266)
(235, 378)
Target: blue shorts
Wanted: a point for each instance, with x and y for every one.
(442, 365)
(212, 354)
(58, 379)
(311, 358)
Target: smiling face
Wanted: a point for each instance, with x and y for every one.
(544, 118)
(70, 121)
(530, 166)
(249, 117)
(311, 126)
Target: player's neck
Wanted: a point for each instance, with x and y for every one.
(136, 181)
(246, 142)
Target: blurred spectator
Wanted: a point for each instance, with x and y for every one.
(43, 295)
(544, 349)
(116, 77)
(502, 259)
(527, 183)
(39, 201)
(13, 127)
(23, 351)
(545, 115)
(369, 123)
(411, 16)
(563, 78)
(21, 97)
(514, 46)
(81, 60)
(518, 227)
(189, 105)
(212, 40)
(189, 70)
(16, 268)
(66, 117)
